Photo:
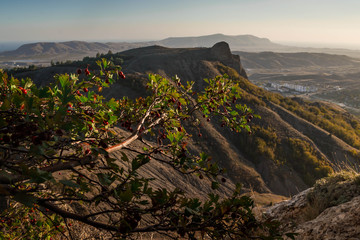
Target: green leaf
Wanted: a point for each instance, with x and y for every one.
(170, 136)
(214, 185)
(40, 176)
(105, 179)
(105, 63)
(69, 183)
(124, 157)
(28, 84)
(135, 164)
(291, 235)
(135, 185)
(113, 118)
(126, 195)
(64, 80)
(43, 93)
(83, 99)
(26, 199)
(112, 104)
(213, 197)
(234, 113)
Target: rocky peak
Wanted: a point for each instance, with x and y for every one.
(222, 52)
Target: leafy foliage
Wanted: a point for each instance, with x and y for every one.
(55, 145)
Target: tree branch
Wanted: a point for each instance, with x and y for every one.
(134, 135)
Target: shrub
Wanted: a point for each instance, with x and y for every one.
(55, 145)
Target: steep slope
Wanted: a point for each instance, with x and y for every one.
(280, 173)
(291, 146)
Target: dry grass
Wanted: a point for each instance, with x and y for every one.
(331, 191)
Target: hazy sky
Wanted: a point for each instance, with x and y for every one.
(315, 21)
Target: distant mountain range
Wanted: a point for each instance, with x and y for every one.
(78, 49)
(66, 50)
(248, 42)
(74, 49)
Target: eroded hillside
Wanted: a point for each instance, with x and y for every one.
(294, 143)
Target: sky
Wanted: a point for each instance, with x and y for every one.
(302, 22)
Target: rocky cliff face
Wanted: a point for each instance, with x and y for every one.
(329, 210)
(188, 63)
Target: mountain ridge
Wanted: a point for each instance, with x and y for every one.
(75, 50)
(235, 41)
(200, 41)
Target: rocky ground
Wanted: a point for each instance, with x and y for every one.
(329, 210)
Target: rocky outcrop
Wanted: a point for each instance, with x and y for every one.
(329, 210)
(190, 64)
(289, 212)
(221, 51)
(340, 222)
